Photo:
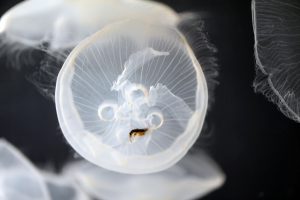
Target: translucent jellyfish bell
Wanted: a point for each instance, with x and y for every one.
(277, 52)
(191, 178)
(18, 177)
(132, 98)
(62, 188)
(64, 23)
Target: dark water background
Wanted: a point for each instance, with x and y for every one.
(257, 147)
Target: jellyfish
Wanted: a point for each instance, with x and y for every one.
(63, 23)
(135, 108)
(37, 36)
(192, 178)
(132, 98)
(54, 25)
(19, 179)
(62, 188)
(277, 53)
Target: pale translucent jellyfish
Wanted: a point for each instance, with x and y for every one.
(277, 53)
(19, 179)
(35, 30)
(64, 23)
(132, 98)
(193, 177)
(63, 188)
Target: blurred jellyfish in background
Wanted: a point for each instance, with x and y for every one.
(64, 23)
(277, 53)
(19, 179)
(56, 26)
(192, 178)
(62, 188)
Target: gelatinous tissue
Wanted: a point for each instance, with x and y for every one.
(145, 77)
(132, 95)
(192, 178)
(20, 179)
(277, 53)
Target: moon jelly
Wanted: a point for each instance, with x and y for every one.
(35, 35)
(64, 23)
(62, 188)
(191, 178)
(277, 53)
(19, 179)
(132, 98)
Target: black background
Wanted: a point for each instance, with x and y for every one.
(257, 147)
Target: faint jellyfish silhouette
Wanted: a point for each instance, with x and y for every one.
(192, 26)
(19, 179)
(61, 24)
(62, 188)
(277, 53)
(37, 36)
(132, 98)
(191, 178)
